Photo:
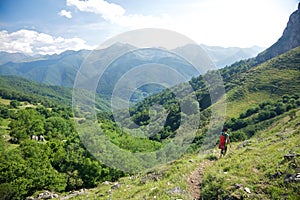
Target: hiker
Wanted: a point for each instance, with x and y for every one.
(224, 141)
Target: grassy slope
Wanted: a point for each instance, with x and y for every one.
(270, 80)
(255, 165)
(33, 90)
(167, 182)
(251, 166)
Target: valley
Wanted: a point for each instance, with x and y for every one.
(46, 139)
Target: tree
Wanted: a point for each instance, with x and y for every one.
(14, 103)
(57, 127)
(26, 123)
(280, 108)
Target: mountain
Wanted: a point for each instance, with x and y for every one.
(21, 89)
(226, 56)
(6, 57)
(9, 57)
(263, 110)
(53, 70)
(61, 69)
(155, 64)
(246, 89)
(289, 39)
(263, 113)
(196, 55)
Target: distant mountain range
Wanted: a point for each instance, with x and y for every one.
(61, 69)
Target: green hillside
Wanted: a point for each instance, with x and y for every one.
(40, 148)
(269, 80)
(262, 114)
(267, 164)
(21, 89)
(246, 87)
(261, 164)
(263, 159)
(12, 87)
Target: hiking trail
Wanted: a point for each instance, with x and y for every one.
(195, 179)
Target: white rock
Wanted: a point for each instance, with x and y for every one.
(247, 190)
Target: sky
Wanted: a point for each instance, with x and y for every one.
(54, 26)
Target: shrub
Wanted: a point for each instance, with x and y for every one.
(238, 136)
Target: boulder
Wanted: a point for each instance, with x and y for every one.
(176, 190)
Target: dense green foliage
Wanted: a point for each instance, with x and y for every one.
(124, 140)
(60, 163)
(251, 121)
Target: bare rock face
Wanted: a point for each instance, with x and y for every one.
(290, 39)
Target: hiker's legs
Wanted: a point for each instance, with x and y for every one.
(225, 150)
(222, 152)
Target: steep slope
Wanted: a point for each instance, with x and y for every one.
(54, 70)
(263, 167)
(269, 80)
(21, 89)
(289, 39)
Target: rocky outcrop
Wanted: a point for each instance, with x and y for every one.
(44, 195)
(290, 39)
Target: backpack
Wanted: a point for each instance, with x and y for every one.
(222, 141)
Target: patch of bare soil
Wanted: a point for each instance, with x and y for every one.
(195, 179)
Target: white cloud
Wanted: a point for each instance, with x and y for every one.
(32, 42)
(116, 14)
(65, 13)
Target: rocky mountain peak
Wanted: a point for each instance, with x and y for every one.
(289, 39)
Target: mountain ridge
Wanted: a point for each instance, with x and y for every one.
(289, 39)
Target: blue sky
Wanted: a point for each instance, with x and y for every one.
(53, 26)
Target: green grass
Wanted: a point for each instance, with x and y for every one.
(4, 127)
(156, 184)
(254, 165)
(236, 107)
(251, 166)
(269, 80)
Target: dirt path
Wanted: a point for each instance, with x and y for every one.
(195, 179)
